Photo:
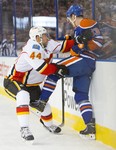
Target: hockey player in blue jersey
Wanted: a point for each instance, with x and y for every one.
(81, 65)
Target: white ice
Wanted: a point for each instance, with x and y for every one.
(44, 140)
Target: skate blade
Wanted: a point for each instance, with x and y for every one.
(53, 132)
(88, 136)
(28, 142)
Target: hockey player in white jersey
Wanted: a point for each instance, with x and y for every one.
(29, 70)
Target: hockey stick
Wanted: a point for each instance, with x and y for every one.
(37, 113)
(63, 115)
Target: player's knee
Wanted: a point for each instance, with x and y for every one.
(80, 96)
(22, 98)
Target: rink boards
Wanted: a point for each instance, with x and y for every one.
(102, 96)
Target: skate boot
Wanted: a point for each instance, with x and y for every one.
(52, 128)
(26, 134)
(89, 132)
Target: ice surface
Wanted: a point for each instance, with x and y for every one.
(44, 140)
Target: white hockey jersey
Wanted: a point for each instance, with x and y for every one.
(30, 66)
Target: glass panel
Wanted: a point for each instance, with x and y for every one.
(106, 16)
(43, 13)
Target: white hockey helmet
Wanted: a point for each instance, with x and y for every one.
(34, 31)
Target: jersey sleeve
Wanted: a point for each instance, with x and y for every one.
(97, 39)
(54, 46)
(67, 45)
(60, 46)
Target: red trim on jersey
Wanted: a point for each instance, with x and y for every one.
(56, 47)
(19, 76)
(47, 60)
(50, 69)
(67, 45)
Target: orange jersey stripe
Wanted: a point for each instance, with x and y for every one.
(70, 60)
(85, 107)
(73, 53)
(87, 23)
(92, 45)
(50, 86)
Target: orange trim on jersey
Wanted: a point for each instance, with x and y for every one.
(50, 86)
(43, 68)
(85, 107)
(24, 77)
(92, 45)
(70, 60)
(73, 53)
(87, 23)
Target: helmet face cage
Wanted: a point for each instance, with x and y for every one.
(34, 31)
(77, 10)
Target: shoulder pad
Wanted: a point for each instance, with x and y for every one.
(87, 23)
(35, 46)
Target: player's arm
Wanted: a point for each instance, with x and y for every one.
(97, 39)
(35, 60)
(89, 34)
(63, 45)
(67, 45)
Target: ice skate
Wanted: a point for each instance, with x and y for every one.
(52, 128)
(89, 132)
(26, 134)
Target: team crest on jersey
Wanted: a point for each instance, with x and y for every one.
(35, 46)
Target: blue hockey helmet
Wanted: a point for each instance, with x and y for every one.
(74, 9)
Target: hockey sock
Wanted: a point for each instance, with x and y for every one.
(23, 115)
(22, 109)
(46, 115)
(85, 106)
(49, 87)
(86, 111)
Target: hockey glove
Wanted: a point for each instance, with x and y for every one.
(62, 71)
(84, 37)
